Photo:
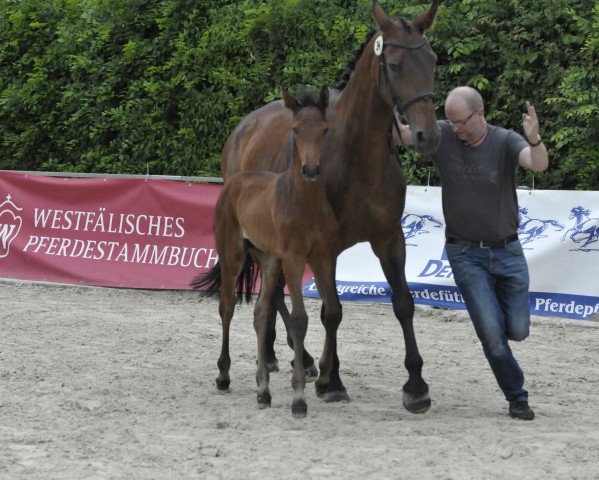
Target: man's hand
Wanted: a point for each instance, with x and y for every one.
(530, 123)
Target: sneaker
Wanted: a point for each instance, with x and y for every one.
(520, 410)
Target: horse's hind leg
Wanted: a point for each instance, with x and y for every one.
(270, 268)
(226, 308)
(279, 304)
(232, 254)
(272, 363)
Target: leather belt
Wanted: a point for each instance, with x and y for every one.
(483, 243)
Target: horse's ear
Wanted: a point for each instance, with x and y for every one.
(425, 20)
(324, 98)
(380, 17)
(290, 101)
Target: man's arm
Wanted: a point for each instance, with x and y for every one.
(532, 157)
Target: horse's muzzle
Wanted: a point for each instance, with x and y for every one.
(427, 141)
(310, 172)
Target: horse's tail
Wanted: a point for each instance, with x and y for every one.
(209, 283)
(246, 281)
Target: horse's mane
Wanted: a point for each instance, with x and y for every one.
(351, 64)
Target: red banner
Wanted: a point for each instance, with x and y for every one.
(114, 232)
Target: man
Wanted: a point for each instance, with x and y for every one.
(477, 164)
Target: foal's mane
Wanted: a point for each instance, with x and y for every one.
(351, 64)
(306, 98)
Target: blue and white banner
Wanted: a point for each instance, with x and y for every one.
(559, 231)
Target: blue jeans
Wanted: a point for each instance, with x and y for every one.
(494, 284)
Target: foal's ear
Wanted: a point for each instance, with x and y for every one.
(380, 17)
(425, 20)
(290, 101)
(324, 98)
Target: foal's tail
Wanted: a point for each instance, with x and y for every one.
(209, 283)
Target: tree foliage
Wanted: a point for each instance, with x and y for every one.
(118, 86)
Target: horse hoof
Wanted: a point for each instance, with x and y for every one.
(416, 403)
(311, 373)
(321, 388)
(223, 384)
(338, 396)
(264, 400)
(299, 409)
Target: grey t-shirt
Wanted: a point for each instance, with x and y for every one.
(479, 183)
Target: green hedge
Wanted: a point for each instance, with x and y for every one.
(118, 86)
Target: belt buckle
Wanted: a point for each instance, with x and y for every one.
(481, 244)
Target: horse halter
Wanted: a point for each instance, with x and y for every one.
(399, 104)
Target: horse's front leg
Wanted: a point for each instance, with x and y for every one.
(297, 327)
(280, 306)
(329, 384)
(392, 256)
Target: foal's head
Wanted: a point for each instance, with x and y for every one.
(309, 129)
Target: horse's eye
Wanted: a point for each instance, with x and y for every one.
(395, 67)
(325, 131)
(295, 130)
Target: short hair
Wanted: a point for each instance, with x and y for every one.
(470, 95)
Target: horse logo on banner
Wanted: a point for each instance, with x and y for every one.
(532, 229)
(413, 225)
(10, 225)
(584, 231)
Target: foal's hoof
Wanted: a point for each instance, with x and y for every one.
(223, 384)
(321, 388)
(264, 400)
(311, 373)
(416, 403)
(299, 409)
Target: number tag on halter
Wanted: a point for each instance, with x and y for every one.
(378, 46)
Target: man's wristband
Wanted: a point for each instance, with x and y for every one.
(536, 144)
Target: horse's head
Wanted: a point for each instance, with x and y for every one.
(309, 128)
(579, 212)
(405, 72)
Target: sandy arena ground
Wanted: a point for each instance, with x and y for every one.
(119, 384)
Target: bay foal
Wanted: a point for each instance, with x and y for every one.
(283, 221)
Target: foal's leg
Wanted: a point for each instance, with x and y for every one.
(280, 306)
(329, 383)
(226, 308)
(392, 256)
(297, 327)
(272, 363)
(270, 268)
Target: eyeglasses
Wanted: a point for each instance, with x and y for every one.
(459, 123)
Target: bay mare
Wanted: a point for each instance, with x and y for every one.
(283, 221)
(364, 184)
